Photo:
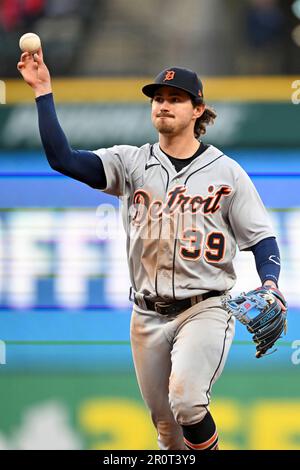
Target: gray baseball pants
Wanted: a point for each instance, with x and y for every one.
(177, 360)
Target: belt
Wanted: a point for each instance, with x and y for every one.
(178, 306)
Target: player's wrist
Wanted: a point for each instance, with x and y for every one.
(38, 93)
(42, 90)
(269, 283)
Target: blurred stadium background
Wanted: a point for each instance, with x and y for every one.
(66, 373)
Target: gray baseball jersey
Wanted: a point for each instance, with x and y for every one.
(183, 228)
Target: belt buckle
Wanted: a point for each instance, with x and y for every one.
(159, 307)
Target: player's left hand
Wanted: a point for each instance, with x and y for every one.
(264, 312)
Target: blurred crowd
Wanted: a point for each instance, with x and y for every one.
(130, 37)
(61, 24)
(269, 41)
(23, 14)
(16, 15)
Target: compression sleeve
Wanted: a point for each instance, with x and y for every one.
(267, 259)
(82, 165)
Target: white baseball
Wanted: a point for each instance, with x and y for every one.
(30, 42)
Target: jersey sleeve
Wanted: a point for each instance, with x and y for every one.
(247, 214)
(116, 162)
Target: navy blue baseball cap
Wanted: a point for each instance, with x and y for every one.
(176, 77)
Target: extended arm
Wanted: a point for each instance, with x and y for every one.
(82, 165)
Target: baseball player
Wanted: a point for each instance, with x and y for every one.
(186, 207)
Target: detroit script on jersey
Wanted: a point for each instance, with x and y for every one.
(179, 200)
(183, 228)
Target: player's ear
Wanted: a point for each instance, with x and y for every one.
(199, 110)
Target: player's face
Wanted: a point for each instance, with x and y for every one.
(173, 111)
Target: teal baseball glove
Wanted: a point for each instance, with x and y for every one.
(261, 311)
